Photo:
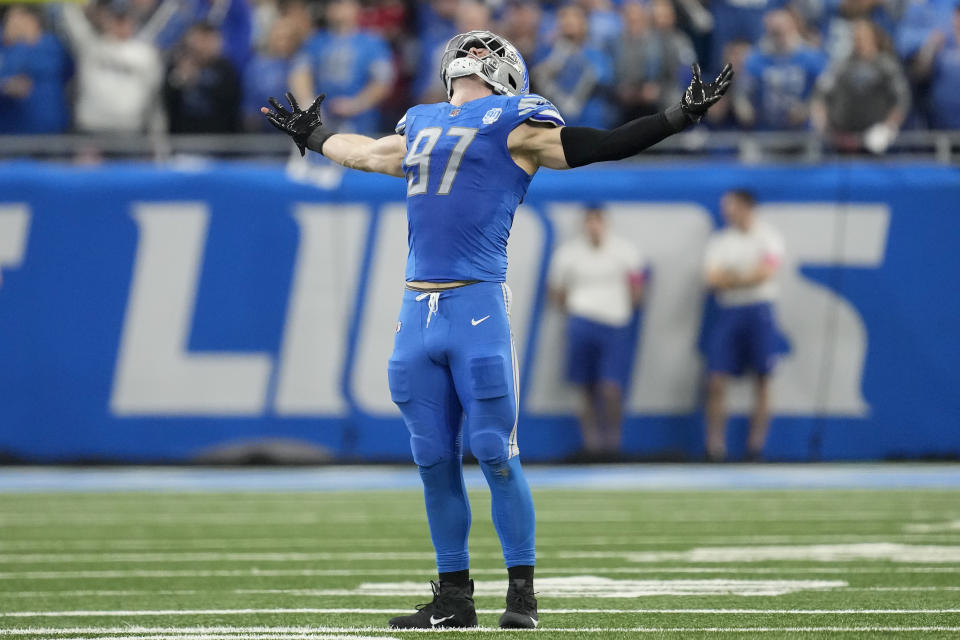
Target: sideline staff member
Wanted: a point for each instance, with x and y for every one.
(598, 278)
(741, 262)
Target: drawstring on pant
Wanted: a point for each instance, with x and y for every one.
(432, 303)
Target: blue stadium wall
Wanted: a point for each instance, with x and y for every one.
(155, 314)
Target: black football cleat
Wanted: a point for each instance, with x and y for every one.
(452, 608)
(521, 610)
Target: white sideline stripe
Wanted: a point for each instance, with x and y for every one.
(927, 527)
(899, 589)
(214, 556)
(159, 544)
(192, 492)
(237, 636)
(427, 571)
(592, 586)
(216, 573)
(322, 517)
(220, 612)
(322, 592)
(273, 632)
(110, 592)
(873, 551)
(336, 592)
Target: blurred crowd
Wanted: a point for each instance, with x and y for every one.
(854, 70)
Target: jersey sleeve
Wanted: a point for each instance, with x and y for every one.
(539, 109)
(401, 127)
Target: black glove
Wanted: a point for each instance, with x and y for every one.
(297, 124)
(699, 96)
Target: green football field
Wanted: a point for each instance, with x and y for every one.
(612, 564)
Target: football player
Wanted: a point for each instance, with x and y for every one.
(468, 163)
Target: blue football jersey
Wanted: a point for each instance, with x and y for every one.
(778, 83)
(463, 186)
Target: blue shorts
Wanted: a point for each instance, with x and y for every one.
(743, 338)
(454, 364)
(597, 352)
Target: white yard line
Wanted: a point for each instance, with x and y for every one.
(321, 516)
(220, 573)
(928, 527)
(428, 571)
(313, 593)
(932, 589)
(362, 611)
(209, 629)
(159, 544)
(112, 519)
(237, 636)
(873, 551)
(167, 633)
(86, 593)
(590, 586)
(556, 543)
(225, 556)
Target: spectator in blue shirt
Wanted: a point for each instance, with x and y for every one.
(466, 16)
(233, 19)
(604, 23)
(575, 76)
(521, 25)
(436, 20)
(353, 67)
(778, 78)
(736, 20)
(920, 20)
(938, 62)
(34, 68)
(919, 37)
(268, 71)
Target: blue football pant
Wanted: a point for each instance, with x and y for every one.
(453, 372)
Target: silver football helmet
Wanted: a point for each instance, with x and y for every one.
(502, 68)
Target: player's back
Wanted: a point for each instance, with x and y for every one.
(463, 186)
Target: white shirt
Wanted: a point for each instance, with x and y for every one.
(742, 252)
(597, 279)
(118, 88)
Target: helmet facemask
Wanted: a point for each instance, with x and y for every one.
(502, 67)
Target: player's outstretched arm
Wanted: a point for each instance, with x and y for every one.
(350, 150)
(568, 147)
(380, 155)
